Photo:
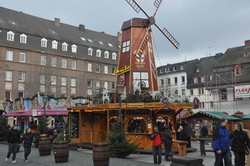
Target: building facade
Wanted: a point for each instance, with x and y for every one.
(53, 58)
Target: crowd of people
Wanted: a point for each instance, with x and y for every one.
(224, 142)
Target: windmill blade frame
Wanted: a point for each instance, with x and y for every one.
(136, 7)
(157, 4)
(168, 35)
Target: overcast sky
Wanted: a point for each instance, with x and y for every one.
(202, 27)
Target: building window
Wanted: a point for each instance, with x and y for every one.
(64, 63)
(7, 95)
(21, 76)
(106, 85)
(8, 85)
(10, 36)
(90, 51)
(162, 82)
(21, 86)
(73, 82)
(8, 75)
(9, 55)
(73, 64)
(201, 91)
(174, 68)
(191, 92)
(98, 53)
(183, 92)
(202, 104)
(90, 67)
(114, 56)
(202, 79)
(97, 84)
(237, 70)
(211, 104)
(89, 92)
(169, 82)
(106, 54)
(89, 83)
(195, 80)
(74, 48)
(54, 44)
(22, 57)
(63, 81)
(63, 90)
(98, 68)
(113, 70)
(169, 69)
(125, 46)
(223, 95)
(43, 42)
(106, 69)
(198, 70)
(181, 67)
(211, 77)
(64, 47)
(43, 60)
(42, 79)
(113, 85)
(20, 94)
(175, 80)
(183, 79)
(53, 80)
(53, 62)
(23, 38)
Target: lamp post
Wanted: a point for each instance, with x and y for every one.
(119, 90)
(45, 100)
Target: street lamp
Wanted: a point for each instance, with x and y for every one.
(120, 90)
(45, 100)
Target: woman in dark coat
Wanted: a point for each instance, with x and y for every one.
(167, 140)
(239, 142)
(28, 139)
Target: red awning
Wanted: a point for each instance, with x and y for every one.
(37, 113)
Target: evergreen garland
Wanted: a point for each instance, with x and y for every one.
(119, 145)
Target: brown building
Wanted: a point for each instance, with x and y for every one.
(53, 58)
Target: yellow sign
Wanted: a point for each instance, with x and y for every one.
(122, 71)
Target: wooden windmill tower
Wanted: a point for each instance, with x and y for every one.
(136, 67)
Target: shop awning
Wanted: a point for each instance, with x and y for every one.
(211, 114)
(246, 117)
(37, 113)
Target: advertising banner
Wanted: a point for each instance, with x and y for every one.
(242, 91)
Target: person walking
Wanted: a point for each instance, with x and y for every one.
(240, 141)
(157, 141)
(222, 144)
(204, 133)
(167, 140)
(13, 139)
(28, 139)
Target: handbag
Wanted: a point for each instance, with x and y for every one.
(246, 150)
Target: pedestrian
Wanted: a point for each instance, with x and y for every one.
(222, 144)
(13, 139)
(240, 141)
(167, 140)
(181, 134)
(204, 133)
(157, 141)
(28, 140)
(50, 134)
(188, 131)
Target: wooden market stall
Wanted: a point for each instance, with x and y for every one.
(91, 123)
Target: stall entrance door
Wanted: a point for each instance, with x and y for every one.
(100, 128)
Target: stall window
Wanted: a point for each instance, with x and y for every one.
(137, 125)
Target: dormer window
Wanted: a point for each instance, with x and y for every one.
(90, 51)
(98, 53)
(174, 68)
(198, 70)
(202, 79)
(106, 54)
(43, 42)
(181, 67)
(10, 36)
(237, 70)
(23, 38)
(169, 69)
(114, 56)
(245, 53)
(54, 44)
(195, 80)
(74, 48)
(64, 46)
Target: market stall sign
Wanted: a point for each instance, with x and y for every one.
(122, 71)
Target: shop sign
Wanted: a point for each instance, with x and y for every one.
(242, 91)
(122, 71)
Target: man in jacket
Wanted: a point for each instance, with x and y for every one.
(157, 141)
(222, 144)
(167, 140)
(13, 139)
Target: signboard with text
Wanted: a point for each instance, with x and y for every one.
(242, 91)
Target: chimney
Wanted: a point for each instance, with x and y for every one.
(247, 43)
(57, 22)
(82, 27)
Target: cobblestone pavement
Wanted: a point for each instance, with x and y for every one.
(83, 157)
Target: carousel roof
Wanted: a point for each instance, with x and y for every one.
(246, 117)
(212, 115)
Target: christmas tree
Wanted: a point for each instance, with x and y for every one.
(42, 129)
(4, 127)
(120, 146)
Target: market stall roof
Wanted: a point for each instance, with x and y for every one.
(246, 117)
(211, 114)
(37, 113)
